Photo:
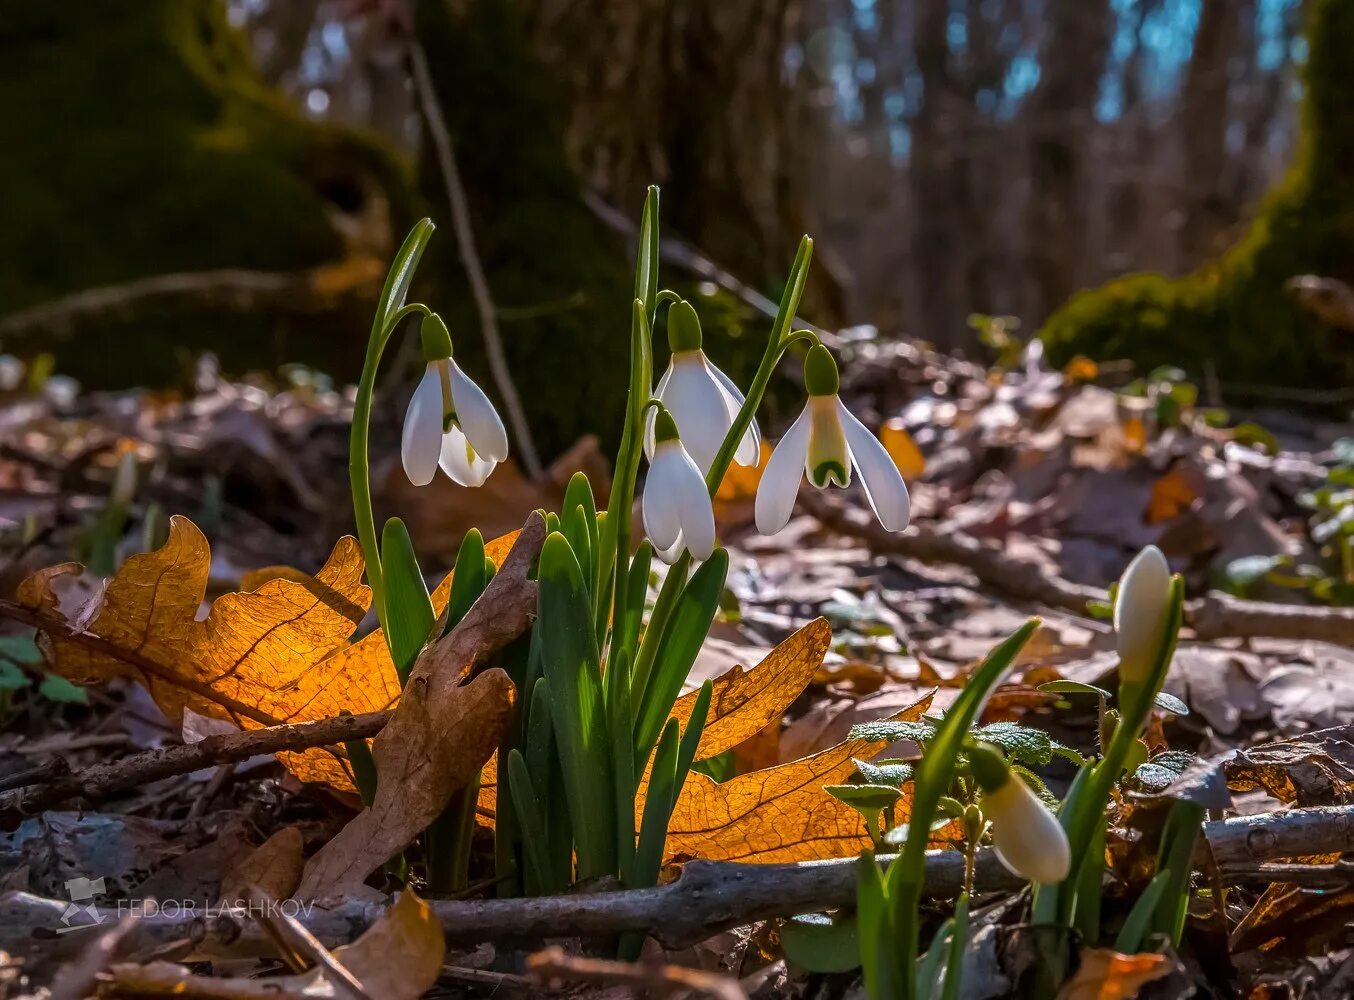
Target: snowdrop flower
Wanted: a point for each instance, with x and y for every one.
(702, 399)
(677, 510)
(450, 422)
(1140, 613)
(1028, 838)
(825, 443)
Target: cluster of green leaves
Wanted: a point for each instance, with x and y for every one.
(20, 663)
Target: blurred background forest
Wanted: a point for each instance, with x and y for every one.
(232, 175)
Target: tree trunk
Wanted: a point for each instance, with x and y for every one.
(1060, 113)
(1204, 118)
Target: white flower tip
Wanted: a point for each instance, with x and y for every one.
(1140, 611)
(1028, 838)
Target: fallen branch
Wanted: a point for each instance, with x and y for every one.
(1214, 616)
(234, 289)
(708, 897)
(101, 780)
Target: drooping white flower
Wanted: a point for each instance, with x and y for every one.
(702, 399)
(450, 422)
(677, 510)
(825, 443)
(1140, 613)
(1027, 837)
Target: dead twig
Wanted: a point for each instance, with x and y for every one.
(101, 780)
(708, 897)
(1214, 616)
(552, 968)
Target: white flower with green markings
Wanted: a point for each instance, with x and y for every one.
(826, 443)
(702, 399)
(678, 515)
(450, 423)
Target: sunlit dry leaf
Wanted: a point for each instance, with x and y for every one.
(1316, 769)
(1295, 919)
(277, 654)
(902, 449)
(1135, 434)
(780, 813)
(1105, 974)
(740, 481)
(744, 702)
(1172, 495)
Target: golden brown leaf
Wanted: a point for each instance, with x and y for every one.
(400, 955)
(744, 702)
(902, 449)
(1172, 495)
(780, 813)
(1105, 974)
(280, 653)
(1081, 369)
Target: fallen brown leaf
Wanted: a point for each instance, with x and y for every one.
(780, 813)
(1105, 974)
(442, 731)
(902, 449)
(269, 871)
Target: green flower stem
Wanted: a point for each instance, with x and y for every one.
(359, 465)
(776, 346)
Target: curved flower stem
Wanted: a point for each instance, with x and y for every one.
(359, 465)
(776, 346)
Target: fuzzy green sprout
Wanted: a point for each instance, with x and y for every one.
(598, 673)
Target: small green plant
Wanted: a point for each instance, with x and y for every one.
(601, 668)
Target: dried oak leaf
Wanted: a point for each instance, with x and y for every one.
(780, 813)
(280, 653)
(269, 871)
(1315, 769)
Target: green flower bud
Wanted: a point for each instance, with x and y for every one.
(684, 327)
(435, 338)
(820, 372)
(989, 766)
(664, 427)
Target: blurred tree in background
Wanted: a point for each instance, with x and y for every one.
(951, 156)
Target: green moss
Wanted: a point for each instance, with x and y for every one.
(1235, 312)
(140, 141)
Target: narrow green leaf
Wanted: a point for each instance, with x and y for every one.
(363, 767)
(647, 258)
(625, 633)
(878, 956)
(409, 616)
(1134, 932)
(691, 620)
(1073, 687)
(653, 827)
(535, 837)
(954, 966)
(576, 524)
(469, 578)
(928, 969)
(619, 722)
(563, 636)
(1175, 857)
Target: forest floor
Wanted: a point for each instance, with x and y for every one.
(1031, 491)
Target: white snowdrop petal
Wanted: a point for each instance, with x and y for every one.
(421, 438)
(651, 415)
(779, 484)
(661, 519)
(460, 462)
(696, 403)
(1140, 612)
(1028, 838)
(750, 447)
(693, 507)
(477, 416)
(879, 475)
